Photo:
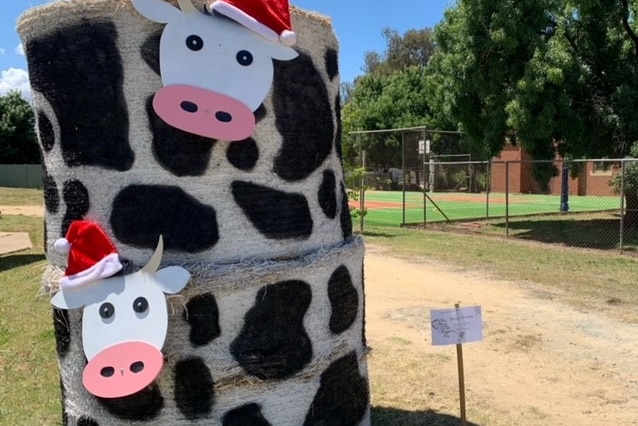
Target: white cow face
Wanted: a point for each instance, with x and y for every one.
(215, 72)
(124, 325)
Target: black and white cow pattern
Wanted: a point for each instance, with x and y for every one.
(277, 195)
(92, 131)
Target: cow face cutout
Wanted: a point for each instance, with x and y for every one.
(124, 325)
(215, 72)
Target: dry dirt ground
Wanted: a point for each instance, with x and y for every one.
(25, 210)
(541, 362)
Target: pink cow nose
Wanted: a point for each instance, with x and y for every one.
(122, 369)
(204, 112)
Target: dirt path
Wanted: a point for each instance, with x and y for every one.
(22, 210)
(541, 362)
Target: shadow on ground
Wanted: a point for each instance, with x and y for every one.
(388, 416)
(594, 233)
(377, 234)
(17, 260)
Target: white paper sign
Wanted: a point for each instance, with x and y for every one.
(456, 325)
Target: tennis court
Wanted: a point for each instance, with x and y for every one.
(387, 207)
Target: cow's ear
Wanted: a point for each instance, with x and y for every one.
(282, 53)
(156, 10)
(64, 300)
(173, 279)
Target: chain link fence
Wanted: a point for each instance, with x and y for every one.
(585, 203)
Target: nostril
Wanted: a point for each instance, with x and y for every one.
(189, 106)
(223, 116)
(107, 371)
(136, 367)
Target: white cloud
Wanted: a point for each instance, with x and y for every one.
(2, 51)
(19, 50)
(15, 79)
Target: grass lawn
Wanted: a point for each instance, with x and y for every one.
(29, 389)
(386, 207)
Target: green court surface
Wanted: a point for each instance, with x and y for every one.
(386, 207)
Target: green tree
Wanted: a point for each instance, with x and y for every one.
(390, 95)
(483, 47)
(415, 47)
(18, 143)
(381, 101)
(556, 76)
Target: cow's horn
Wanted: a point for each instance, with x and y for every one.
(153, 265)
(186, 6)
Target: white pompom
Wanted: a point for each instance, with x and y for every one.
(62, 245)
(287, 38)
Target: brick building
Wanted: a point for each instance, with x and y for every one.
(594, 179)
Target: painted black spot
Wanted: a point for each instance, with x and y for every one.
(61, 328)
(346, 219)
(273, 343)
(363, 302)
(76, 198)
(277, 215)
(51, 195)
(246, 415)
(332, 63)
(194, 392)
(328, 194)
(87, 421)
(179, 152)
(45, 240)
(338, 140)
(150, 51)
(243, 155)
(65, 416)
(203, 316)
(304, 118)
(142, 212)
(79, 71)
(260, 113)
(45, 129)
(144, 405)
(344, 300)
(342, 398)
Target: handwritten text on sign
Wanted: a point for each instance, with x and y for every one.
(457, 325)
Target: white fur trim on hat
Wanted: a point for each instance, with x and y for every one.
(288, 38)
(106, 267)
(62, 245)
(244, 19)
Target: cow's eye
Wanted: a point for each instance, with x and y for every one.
(244, 58)
(107, 310)
(140, 305)
(194, 42)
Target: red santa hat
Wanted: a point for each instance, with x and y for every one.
(268, 18)
(92, 255)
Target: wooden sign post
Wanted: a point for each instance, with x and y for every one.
(455, 327)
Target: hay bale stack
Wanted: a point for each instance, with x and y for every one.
(270, 328)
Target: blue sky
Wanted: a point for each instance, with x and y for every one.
(357, 23)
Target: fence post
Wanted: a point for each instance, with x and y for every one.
(425, 207)
(622, 205)
(564, 188)
(488, 184)
(362, 190)
(403, 173)
(507, 199)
